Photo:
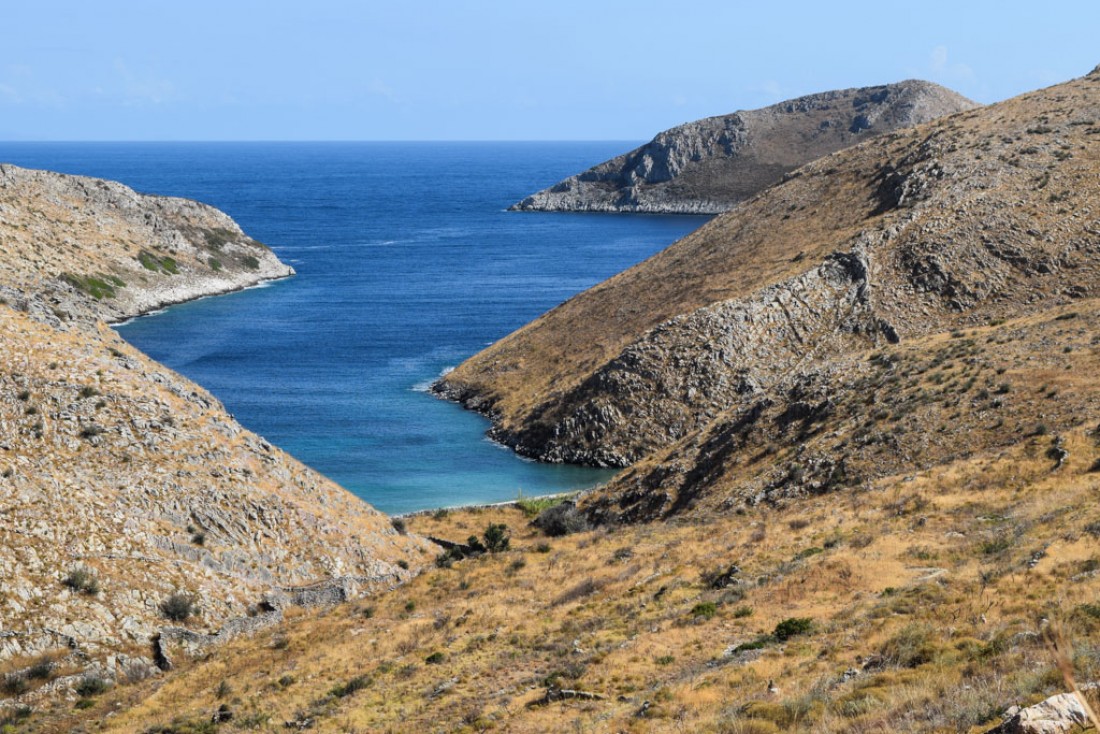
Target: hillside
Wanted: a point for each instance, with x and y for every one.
(709, 165)
(124, 486)
(861, 415)
(916, 604)
(968, 220)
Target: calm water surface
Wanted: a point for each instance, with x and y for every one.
(407, 263)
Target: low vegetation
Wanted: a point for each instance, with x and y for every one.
(902, 622)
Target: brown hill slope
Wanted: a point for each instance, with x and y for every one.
(709, 165)
(123, 484)
(980, 216)
(919, 605)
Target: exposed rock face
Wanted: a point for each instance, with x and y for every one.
(122, 483)
(983, 216)
(707, 166)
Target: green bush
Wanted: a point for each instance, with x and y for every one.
(496, 537)
(792, 627)
(704, 609)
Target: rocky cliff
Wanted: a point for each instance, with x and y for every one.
(125, 489)
(976, 218)
(709, 165)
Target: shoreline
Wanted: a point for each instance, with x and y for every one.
(161, 306)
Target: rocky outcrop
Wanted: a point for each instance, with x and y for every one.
(977, 218)
(1058, 714)
(122, 484)
(708, 166)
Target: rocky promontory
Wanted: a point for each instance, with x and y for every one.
(708, 166)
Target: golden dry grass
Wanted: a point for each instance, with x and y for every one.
(946, 578)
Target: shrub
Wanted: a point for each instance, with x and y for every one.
(704, 609)
(403, 564)
(179, 607)
(742, 612)
(15, 684)
(199, 538)
(910, 647)
(399, 525)
(435, 658)
(534, 506)
(41, 670)
(496, 537)
(792, 627)
(251, 262)
(561, 519)
(92, 430)
(83, 581)
(357, 683)
(92, 685)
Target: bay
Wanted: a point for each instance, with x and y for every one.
(407, 263)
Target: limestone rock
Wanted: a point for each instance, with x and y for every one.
(1056, 715)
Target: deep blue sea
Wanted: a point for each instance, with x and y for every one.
(407, 263)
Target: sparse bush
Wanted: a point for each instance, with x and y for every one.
(199, 538)
(92, 430)
(399, 525)
(581, 590)
(92, 685)
(42, 669)
(357, 683)
(792, 627)
(82, 580)
(435, 658)
(403, 564)
(561, 519)
(742, 612)
(910, 647)
(179, 607)
(543, 548)
(15, 684)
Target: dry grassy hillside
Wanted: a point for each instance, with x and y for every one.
(919, 603)
(984, 215)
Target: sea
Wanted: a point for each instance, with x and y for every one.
(407, 263)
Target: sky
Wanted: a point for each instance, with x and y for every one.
(515, 70)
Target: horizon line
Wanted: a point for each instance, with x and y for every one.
(343, 141)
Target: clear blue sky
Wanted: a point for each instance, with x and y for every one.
(515, 70)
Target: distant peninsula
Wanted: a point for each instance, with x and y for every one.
(708, 166)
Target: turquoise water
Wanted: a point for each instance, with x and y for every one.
(407, 263)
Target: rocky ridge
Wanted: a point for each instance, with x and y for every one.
(708, 166)
(983, 216)
(122, 484)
